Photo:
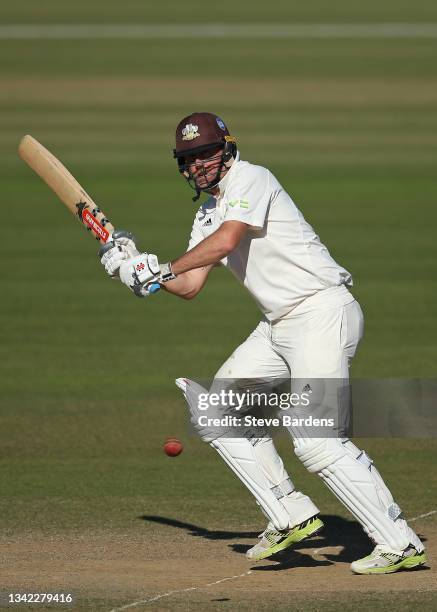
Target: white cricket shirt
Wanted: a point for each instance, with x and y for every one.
(280, 260)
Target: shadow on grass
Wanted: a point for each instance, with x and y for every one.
(196, 530)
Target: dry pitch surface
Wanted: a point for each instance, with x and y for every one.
(187, 567)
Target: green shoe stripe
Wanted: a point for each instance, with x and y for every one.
(295, 535)
(406, 563)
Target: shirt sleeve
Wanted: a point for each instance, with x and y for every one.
(248, 201)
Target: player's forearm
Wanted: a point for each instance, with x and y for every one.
(208, 252)
(188, 284)
(182, 286)
(191, 261)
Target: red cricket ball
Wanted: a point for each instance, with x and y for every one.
(173, 447)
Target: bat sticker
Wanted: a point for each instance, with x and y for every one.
(91, 222)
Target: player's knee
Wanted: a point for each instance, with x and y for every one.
(319, 453)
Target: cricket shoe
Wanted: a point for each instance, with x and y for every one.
(272, 540)
(384, 561)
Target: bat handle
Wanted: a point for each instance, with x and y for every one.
(110, 244)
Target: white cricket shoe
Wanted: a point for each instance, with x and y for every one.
(272, 540)
(382, 560)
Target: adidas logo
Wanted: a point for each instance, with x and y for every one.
(208, 221)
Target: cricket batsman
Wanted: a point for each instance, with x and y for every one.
(310, 330)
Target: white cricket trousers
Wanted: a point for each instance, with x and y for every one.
(318, 339)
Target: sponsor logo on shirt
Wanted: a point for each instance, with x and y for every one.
(239, 203)
(203, 212)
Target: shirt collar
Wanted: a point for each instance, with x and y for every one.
(225, 180)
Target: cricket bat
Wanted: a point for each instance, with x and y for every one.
(73, 195)
(68, 190)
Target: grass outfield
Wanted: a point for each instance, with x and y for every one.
(89, 501)
(193, 11)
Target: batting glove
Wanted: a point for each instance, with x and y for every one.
(120, 248)
(138, 273)
(126, 241)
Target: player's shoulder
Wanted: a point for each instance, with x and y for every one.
(245, 171)
(247, 177)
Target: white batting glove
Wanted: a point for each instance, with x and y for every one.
(112, 260)
(126, 241)
(120, 248)
(139, 273)
(149, 289)
(144, 274)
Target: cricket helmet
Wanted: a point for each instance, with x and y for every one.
(201, 132)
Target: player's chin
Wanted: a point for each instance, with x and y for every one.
(203, 182)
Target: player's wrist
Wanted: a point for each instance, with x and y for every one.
(166, 272)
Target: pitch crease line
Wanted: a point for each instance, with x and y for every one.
(64, 31)
(416, 518)
(208, 584)
(162, 595)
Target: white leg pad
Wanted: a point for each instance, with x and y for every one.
(351, 476)
(299, 506)
(241, 457)
(257, 464)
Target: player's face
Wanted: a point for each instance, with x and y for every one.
(203, 166)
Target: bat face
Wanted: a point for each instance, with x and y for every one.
(69, 191)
